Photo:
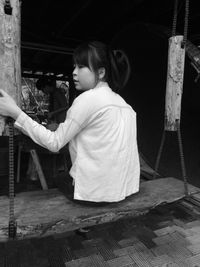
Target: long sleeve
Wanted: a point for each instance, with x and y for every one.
(76, 119)
(52, 141)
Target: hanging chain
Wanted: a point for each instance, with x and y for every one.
(186, 23)
(183, 168)
(12, 223)
(159, 155)
(182, 159)
(175, 18)
(163, 135)
(178, 128)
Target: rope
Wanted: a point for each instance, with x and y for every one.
(12, 223)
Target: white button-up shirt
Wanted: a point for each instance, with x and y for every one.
(101, 130)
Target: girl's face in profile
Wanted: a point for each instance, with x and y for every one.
(84, 78)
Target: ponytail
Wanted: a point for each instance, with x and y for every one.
(119, 69)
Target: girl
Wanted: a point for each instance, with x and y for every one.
(100, 128)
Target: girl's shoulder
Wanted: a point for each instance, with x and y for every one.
(92, 94)
(85, 101)
(85, 96)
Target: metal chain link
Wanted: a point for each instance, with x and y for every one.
(183, 168)
(159, 155)
(186, 23)
(178, 125)
(175, 18)
(12, 223)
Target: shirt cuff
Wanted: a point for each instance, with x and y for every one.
(20, 120)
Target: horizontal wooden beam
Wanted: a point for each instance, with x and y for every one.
(47, 48)
(37, 76)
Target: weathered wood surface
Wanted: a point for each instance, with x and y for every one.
(174, 86)
(10, 61)
(41, 213)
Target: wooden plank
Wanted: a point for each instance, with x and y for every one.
(39, 169)
(41, 213)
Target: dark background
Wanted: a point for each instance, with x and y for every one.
(59, 26)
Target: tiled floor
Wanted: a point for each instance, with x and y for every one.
(167, 236)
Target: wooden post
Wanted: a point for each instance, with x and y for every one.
(174, 87)
(10, 60)
(39, 169)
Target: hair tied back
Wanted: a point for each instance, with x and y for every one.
(123, 65)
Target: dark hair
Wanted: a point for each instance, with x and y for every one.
(43, 81)
(95, 55)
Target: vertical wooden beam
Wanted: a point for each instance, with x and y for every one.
(10, 59)
(174, 87)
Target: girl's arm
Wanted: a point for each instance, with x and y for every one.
(53, 141)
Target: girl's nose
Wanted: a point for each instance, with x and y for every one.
(74, 71)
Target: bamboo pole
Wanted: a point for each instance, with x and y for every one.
(10, 60)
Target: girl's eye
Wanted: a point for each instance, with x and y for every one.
(79, 66)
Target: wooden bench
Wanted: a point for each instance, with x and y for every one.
(41, 213)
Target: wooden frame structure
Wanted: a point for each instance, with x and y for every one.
(41, 213)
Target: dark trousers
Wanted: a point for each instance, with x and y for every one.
(64, 183)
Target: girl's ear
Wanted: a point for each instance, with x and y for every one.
(101, 73)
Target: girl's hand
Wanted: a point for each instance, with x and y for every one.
(8, 107)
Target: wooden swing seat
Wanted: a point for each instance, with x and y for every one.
(42, 213)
